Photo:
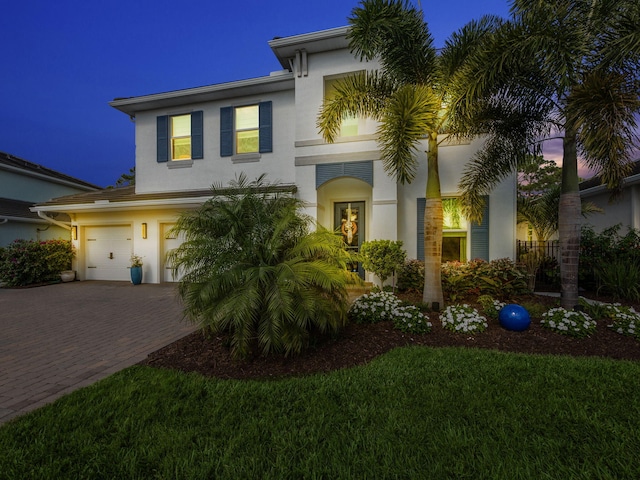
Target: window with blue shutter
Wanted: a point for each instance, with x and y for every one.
(454, 233)
(180, 137)
(246, 129)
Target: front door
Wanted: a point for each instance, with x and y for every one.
(349, 220)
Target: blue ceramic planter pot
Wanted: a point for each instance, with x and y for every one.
(514, 317)
(136, 275)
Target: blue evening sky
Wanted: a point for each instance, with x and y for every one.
(63, 61)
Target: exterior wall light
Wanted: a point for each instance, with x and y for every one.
(74, 232)
(144, 230)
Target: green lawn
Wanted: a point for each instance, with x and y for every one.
(412, 413)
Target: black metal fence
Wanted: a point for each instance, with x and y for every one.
(545, 256)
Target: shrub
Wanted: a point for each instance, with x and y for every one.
(600, 250)
(385, 306)
(569, 322)
(27, 262)
(463, 319)
(619, 278)
(478, 277)
(254, 270)
(411, 276)
(382, 257)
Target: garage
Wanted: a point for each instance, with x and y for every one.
(108, 252)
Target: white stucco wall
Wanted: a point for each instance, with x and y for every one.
(152, 176)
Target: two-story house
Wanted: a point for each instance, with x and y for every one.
(24, 183)
(187, 140)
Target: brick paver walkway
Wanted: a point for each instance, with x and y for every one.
(58, 338)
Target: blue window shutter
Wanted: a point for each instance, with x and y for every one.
(162, 137)
(422, 202)
(226, 131)
(197, 147)
(480, 235)
(266, 129)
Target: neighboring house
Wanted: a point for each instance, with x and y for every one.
(623, 208)
(22, 184)
(187, 140)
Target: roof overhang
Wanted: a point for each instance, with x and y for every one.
(598, 189)
(323, 41)
(276, 82)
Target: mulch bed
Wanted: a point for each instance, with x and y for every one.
(358, 344)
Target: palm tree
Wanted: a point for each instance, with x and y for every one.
(408, 96)
(254, 271)
(564, 69)
(541, 212)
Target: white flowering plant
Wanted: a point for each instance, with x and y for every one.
(463, 319)
(385, 306)
(569, 322)
(409, 319)
(626, 321)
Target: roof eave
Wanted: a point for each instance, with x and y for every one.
(314, 42)
(278, 81)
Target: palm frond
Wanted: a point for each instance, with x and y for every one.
(363, 94)
(411, 113)
(394, 32)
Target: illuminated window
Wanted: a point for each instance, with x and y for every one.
(454, 231)
(349, 126)
(247, 129)
(181, 137)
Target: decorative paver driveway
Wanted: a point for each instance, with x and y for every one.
(58, 338)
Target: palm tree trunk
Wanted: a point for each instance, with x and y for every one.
(569, 223)
(433, 219)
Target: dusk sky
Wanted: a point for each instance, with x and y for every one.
(63, 62)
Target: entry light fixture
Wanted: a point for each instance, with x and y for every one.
(74, 232)
(144, 230)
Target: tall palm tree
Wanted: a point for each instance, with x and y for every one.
(564, 69)
(255, 272)
(408, 96)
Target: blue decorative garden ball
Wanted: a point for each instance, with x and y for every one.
(514, 317)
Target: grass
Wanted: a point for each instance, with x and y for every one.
(413, 413)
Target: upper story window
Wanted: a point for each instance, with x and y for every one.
(180, 137)
(246, 129)
(349, 126)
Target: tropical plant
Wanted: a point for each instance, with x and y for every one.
(409, 97)
(382, 257)
(564, 69)
(253, 270)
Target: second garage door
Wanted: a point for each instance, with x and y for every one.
(108, 251)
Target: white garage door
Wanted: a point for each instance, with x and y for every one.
(108, 252)
(169, 242)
